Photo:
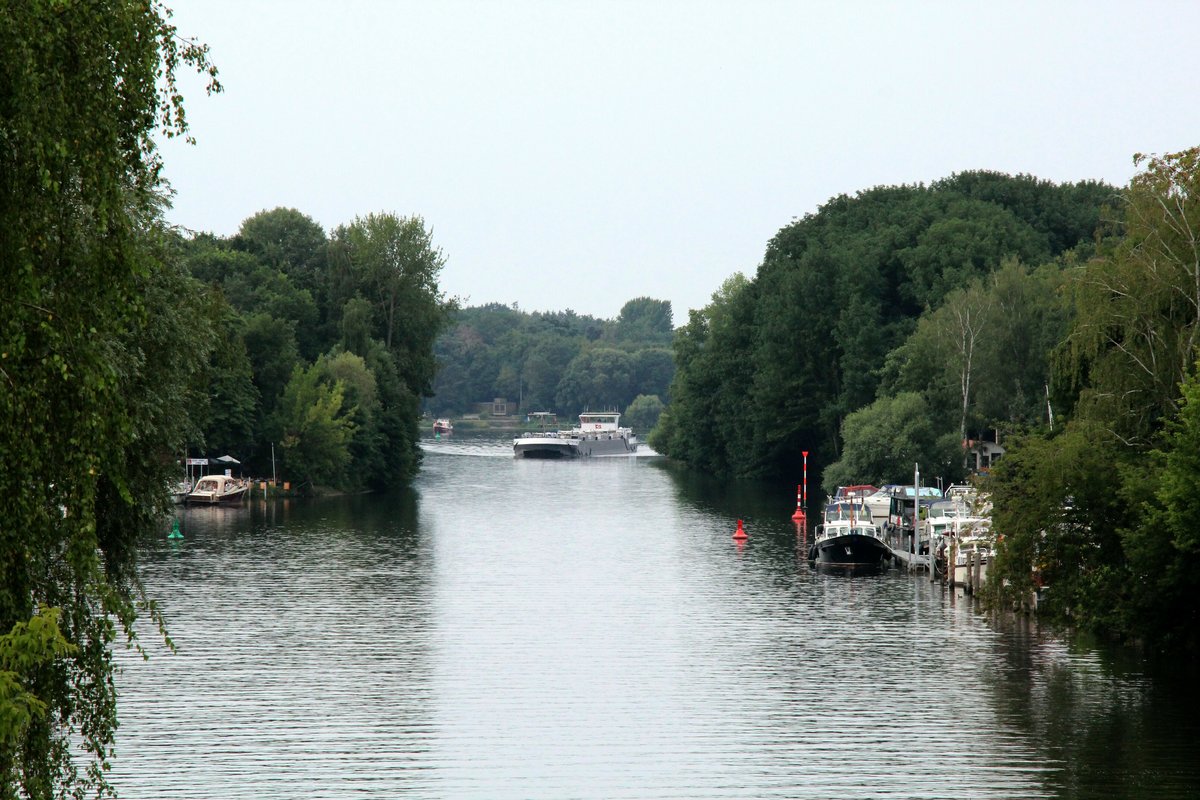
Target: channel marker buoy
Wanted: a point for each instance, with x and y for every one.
(740, 533)
(175, 534)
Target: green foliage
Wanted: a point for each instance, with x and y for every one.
(600, 376)
(643, 413)
(368, 442)
(25, 651)
(1030, 315)
(1163, 542)
(395, 266)
(1058, 505)
(288, 242)
(363, 306)
(840, 290)
(884, 440)
(101, 336)
(556, 361)
(645, 319)
(707, 390)
(1138, 307)
(1103, 521)
(227, 400)
(271, 347)
(314, 427)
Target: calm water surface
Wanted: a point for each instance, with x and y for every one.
(535, 629)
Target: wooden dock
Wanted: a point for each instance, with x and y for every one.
(911, 561)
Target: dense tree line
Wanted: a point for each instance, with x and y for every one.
(1101, 512)
(882, 305)
(890, 327)
(325, 345)
(558, 361)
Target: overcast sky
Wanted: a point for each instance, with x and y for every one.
(580, 154)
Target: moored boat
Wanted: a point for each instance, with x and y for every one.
(218, 489)
(849, 537)
(442, 426)
(598, 434)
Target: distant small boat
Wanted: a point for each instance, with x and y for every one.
(214, 489)
(443, 426)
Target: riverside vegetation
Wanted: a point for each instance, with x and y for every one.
(890, 327)
(881, 330)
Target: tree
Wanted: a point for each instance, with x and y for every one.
(1163, 545)
(1030, 317)
(885, 439)
(653, 370)
(1059, 503)
(645, 319)
(596, 379)
(271, 347)
(356, 325)
(966, 317)
(98, 345)
(229, 400)
(288, 241)
(544, 367)
(710, 370)
(1138, 308)
(397, 268)
(1101, 512)
(643, 413)
(265, 290)
(837, 292)
(314, 427)
(367, 443)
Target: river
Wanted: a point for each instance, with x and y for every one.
(539, 629)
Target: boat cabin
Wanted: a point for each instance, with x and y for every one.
(605, 422)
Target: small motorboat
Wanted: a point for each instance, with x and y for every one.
(218, 489)
(443, 426)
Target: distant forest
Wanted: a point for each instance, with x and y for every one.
(559, 361)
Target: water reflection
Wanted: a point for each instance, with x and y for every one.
(303, 635)
(518, 628)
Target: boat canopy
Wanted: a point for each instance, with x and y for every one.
(904, 490)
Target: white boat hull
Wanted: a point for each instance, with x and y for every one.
(574, 447)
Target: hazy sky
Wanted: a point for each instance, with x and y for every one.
(580, 154)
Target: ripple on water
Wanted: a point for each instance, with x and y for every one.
(589, 630)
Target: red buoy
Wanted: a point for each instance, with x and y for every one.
(799, 515)
(740, 533)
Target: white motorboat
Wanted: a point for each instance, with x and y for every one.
(218, 489)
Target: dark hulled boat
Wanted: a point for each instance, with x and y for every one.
(849, 537)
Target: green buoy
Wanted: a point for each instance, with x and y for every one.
(175, 534)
